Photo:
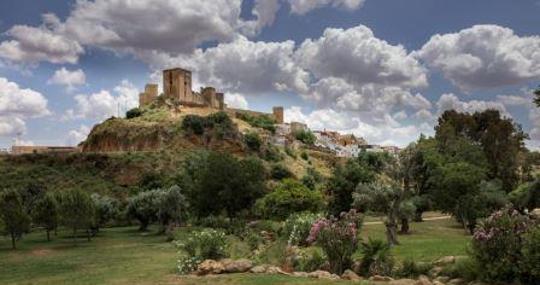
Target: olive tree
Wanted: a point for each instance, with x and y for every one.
(144, 207)
(172, 208)
(12, 212)
(77, 211)
(45, 213)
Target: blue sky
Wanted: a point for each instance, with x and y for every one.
(375, 68)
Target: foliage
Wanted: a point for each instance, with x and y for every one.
(107, 209)
(412, 269)
(497, 244)
(530, 251)
(172, 207)
(297, 227)
(526, 196)
(187, 264)
(305, 136)
(134, 113)
(280, 171)
(46, 213)
(218, 182)
(537, 96)
(260, 121)
(343, 183)
(77, 210)
(310, 259)
(194, 123)
(338, 239)
(289, 197)
(465, 268)
(15, 219)
(205, 244)
(253, 141)
(144, 207)
(376, 258)
(304, 155)
(220, 123)
(312, 178)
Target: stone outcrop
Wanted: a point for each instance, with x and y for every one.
(350, 275)
(210, 266)
(321, 274)
(237, 266)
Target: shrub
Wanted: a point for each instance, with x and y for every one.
(262, 121)
(187, 264)
(376, 258)
(298, 226)
(305, 136)
(253, 141)
(310, 259)
(134, 113)
(337, 238)
(304, 155)
(412, 269)
(531, 255)
(312, 178)
(279, 172)
(194, 123)
(497, 243)
(205, 244)
(465, 268)
(253, 239)
(289, 197)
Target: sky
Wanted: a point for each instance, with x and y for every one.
(383, 70)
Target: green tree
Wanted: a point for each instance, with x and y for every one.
(253, 141)
(343, 182)
(77, 211)
(173, 208)
(12, 212)
(144, 207)
(45, 213)
(289, 197)
(134, 113)
(305, 136)
(107, 209)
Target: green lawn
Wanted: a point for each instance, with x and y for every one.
(125, 256)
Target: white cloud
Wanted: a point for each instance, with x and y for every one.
(236, 100)
(11, 126)
(35, 44)
(104, 104)
(483, 56)
(76, 136)
(450, 101)
(19, 102)
(68, 78)
(18, 141)
(304, 6)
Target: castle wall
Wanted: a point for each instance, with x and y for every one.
(177, 84)
(278, 114)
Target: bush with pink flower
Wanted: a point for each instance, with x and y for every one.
(338, 237)
(497, 245)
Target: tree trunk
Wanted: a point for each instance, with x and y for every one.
(391, 234)
(48, 235)
(404, 226)
(13, 245)
(88, 232)
(418, 217)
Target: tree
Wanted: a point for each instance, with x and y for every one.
(537, 96)
(305, 136)
(289, 197)
(107, 209)
(343, 183)
(45, 213)
(144, 207)
(12, 212)
(253, 141)
(407, 211)
(77, 211)
(134, 113)
(172, 208)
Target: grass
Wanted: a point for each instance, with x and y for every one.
(125, 256)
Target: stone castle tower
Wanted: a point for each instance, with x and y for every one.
(177, 84)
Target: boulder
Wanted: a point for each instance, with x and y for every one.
(210, 266)
(445, 261)
(381, 278)
(237, 266)
(402, 282)
(442, 279)
(259, 269)
(321, 274)
(438, 283)
(350, 275)
(456, 281)
(275, 270)
(435, 271)
(423, 280)
(300, 274)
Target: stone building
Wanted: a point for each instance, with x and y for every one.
(278, 114)
(149, 95)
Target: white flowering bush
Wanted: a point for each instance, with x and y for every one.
(297, 227)
(187, 264)
(206, 244)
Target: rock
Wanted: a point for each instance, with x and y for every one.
(381, 278)
(210, 266)
(423, 280)
(275, 270)
(477, 283)
(435, 271)
(321, 274)
(300, 274)
(350, 275)
(357, 267)
(442, 279)
(445, 261)
(237, 266)
(402, 282)
(438, 283)
(259, 269)
(456, 281)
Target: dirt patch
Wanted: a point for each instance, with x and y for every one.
(41, 252)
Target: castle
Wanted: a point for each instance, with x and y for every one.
(177, 86)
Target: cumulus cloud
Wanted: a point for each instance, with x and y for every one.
(483, 56)
(450, 101)
(45, 43)
(236, 100)
(68, 78)
(104, 104)
(11, 126)
(304, 6)
(76, 136)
